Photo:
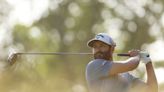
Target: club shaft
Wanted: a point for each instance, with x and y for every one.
(52, 53)
(63, 53)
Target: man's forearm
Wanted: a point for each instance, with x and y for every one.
(130, 65)
(132, 62)
(151, 78)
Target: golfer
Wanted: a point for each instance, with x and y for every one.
(105, 75)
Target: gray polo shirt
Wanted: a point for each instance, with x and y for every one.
(98, 79)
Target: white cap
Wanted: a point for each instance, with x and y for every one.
(103, 37)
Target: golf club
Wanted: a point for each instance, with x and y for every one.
(12, 58)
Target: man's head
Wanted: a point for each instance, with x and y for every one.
(103, 46)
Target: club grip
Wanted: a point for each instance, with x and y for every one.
(123, 54)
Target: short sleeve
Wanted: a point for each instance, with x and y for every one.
(133, 80)
(97, 69)
(129, 77)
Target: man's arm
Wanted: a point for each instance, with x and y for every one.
(152, 85)
(130, 65)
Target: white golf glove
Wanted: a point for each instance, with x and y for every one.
(145, 58)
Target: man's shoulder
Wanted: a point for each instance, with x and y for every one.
(97, 62)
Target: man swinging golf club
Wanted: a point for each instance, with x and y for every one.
(105, 75)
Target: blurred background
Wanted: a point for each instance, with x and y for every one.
(66, 26)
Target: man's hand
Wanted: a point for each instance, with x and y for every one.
(133, 53)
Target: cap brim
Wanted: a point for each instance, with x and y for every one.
(91, 42)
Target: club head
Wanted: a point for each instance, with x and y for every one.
(12, 58)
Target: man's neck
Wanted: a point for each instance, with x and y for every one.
(110, 59)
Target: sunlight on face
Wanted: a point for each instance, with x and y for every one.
(100, 46)
(102, 50)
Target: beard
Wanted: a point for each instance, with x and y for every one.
(102, 55)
